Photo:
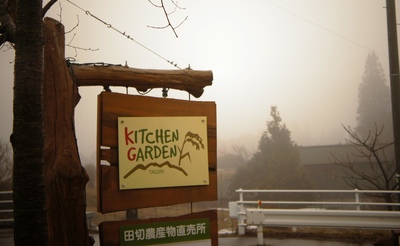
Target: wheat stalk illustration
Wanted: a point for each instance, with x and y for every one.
(195, 140)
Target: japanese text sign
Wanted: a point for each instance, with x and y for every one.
(170, 233)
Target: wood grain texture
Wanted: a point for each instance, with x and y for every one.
(114, 105)
(192, 81)
(64, 175)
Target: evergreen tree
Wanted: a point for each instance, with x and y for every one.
(374, 109)
(275, 165)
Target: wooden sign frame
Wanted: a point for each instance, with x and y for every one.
(114, 105)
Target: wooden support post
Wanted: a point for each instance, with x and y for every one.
(394, 81)
(260, 235)
(65, 178)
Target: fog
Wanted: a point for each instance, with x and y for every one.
(304, 56)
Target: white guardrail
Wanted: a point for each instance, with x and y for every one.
(7, 212)
(313, 213)
(6, 209)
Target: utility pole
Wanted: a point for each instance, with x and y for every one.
(394, 81)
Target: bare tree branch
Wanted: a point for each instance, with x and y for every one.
(177, 26)
(48, 6)
(169, 24)
(381, 172)
(177, 5)
(155, 5)
(76, 25)
(76, 48)
(61, 9)
(7, 21)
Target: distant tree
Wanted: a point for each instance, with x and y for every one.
(228, 163)
(241, 152)
(276, 164)
(374, 108)
(91, 171)
(378, 173)
(5, 166)
(232, 160)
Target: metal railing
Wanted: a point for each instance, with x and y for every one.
(6, 210)
(357, 203)
(240, 207)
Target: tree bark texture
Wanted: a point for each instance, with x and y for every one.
(30, 225)
(192, 81)
(64, 175)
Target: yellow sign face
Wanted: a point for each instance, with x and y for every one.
(159, 152)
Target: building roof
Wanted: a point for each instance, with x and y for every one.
(324, 154)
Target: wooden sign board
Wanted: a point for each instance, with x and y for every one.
(111, 106)
(199, 228)
(159, 152)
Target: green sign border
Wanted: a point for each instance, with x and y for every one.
(165, 232)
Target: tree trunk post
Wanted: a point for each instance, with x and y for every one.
(30, 224)
(65, 177)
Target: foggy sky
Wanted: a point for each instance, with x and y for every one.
(306, 57)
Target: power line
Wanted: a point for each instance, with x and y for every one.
(108, 25)
(322, 27)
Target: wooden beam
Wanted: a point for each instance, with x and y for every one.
(192, 81)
